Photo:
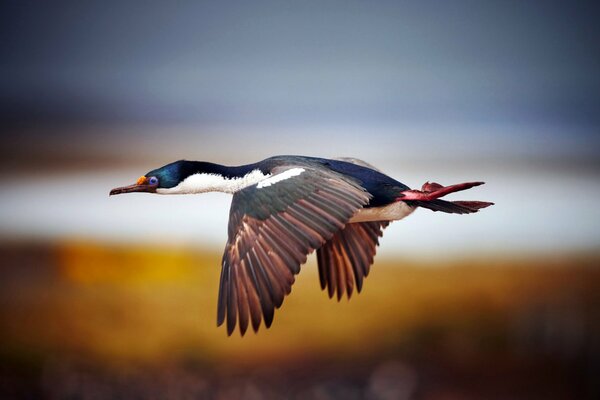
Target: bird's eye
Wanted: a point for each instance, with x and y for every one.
(153, 180)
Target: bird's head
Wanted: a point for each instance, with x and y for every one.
(158, 180)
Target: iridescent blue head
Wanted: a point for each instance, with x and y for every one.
(164, 177)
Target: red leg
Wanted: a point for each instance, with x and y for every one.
(432, 191)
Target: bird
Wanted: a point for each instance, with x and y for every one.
(284, 208)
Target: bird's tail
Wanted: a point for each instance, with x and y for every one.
(428, 197)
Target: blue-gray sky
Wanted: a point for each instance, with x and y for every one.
(352, 61)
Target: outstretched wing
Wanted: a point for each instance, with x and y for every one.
(347, 257)
(273, 226)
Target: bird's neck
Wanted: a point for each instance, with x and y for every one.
(205, 177)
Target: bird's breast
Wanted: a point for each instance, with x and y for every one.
(390, 212)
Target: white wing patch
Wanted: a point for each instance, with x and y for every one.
(280, 177)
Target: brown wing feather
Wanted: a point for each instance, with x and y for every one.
(271, 232)
(346, 258)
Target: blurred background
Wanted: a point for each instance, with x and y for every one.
(116, 297)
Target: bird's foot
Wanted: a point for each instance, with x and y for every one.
(431, 191)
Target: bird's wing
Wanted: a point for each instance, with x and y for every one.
(273, 226)
(347, 257)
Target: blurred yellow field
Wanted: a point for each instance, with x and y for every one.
(80, 317)
(115, 303)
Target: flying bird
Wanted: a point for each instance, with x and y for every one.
(284, 208)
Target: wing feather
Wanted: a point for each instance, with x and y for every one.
(345, 260)
(272, 229)
(243, 302)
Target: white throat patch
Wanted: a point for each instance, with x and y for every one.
(202, 183)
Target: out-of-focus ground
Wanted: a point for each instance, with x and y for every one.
(90, 320)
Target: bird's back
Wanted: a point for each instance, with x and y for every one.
(383, 188)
